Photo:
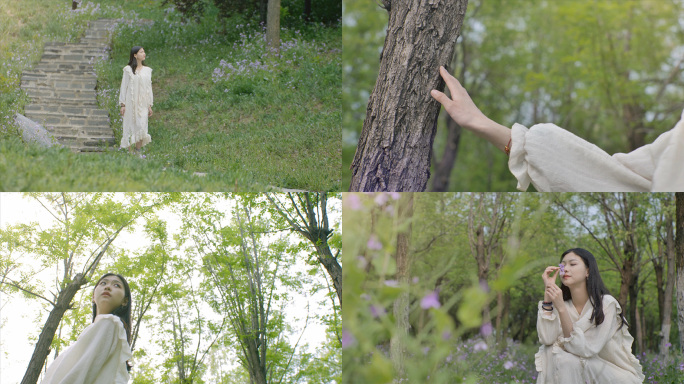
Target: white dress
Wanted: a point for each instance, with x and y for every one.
(555, 160)
(136, 95)
(98, 356)
(592, 354)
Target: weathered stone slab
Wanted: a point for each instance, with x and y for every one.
(33, 132)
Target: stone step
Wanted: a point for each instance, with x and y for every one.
(60, 66)
(72, 58)
(65, 110)
(68, 119)
(74, 47)
(65, 102)
(52, 82)
(72, 94)
(38, 75)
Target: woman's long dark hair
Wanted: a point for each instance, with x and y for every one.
(595, 287)
(132, 61)
(123, 312)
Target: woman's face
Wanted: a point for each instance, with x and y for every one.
(140, 55)
(109, 295)
(575, 270)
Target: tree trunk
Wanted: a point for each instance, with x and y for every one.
(394, 148)
(273, 26)
(669, 288)
(679, 257)
(401, 304)
(440, 183)
(42, 349)
(307, 10)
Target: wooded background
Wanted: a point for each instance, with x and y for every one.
(214, 280)
(608, 71)
(428, 272)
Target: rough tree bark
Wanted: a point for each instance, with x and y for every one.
(401, 304)
(394, 148)
(679, 254)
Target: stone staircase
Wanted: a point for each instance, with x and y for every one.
(62, 90)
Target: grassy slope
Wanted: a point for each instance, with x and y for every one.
(278, 126)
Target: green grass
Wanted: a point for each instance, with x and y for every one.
(277, 126)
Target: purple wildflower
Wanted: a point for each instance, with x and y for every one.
(347, 339)
(374, 243)
(431, 300)
(562, 269)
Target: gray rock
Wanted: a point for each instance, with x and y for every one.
(33, 132)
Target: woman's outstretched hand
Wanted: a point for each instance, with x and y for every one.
(462, 109)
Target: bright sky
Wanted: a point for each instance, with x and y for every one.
(21, 319)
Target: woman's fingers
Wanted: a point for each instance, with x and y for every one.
(440, 96)
(450, 81)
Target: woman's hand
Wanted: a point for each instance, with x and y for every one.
(549, 276)
(149, 111)
(123, 110)
(462, 109)
(554, 294)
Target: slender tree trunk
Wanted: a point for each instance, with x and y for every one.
(307, 10)
(273, 26)
(401, 304)
(679, 257)
(443, 169)
(42, 348)
(669, 289)
(394, 148)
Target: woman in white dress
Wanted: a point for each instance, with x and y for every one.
(101, 354)
(554, 160)
(581, 327)
(136, 100)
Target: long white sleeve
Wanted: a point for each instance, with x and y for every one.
(124, 86)
(548, 325)
(586, 339)
(149, 89)
(554, 160)
(98, 356)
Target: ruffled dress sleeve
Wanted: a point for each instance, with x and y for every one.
(548, 325)
(98, 357)
(554, 160)
(150, 95)
(125, 80)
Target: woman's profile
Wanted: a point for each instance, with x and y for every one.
(102, 352)
(136, 100)
(581, 327)
(554, 160)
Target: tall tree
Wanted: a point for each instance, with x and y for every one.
(85, 226)
(395, 146)
(679, 254)
(307, 214)
(487, 226)
(248, 270)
